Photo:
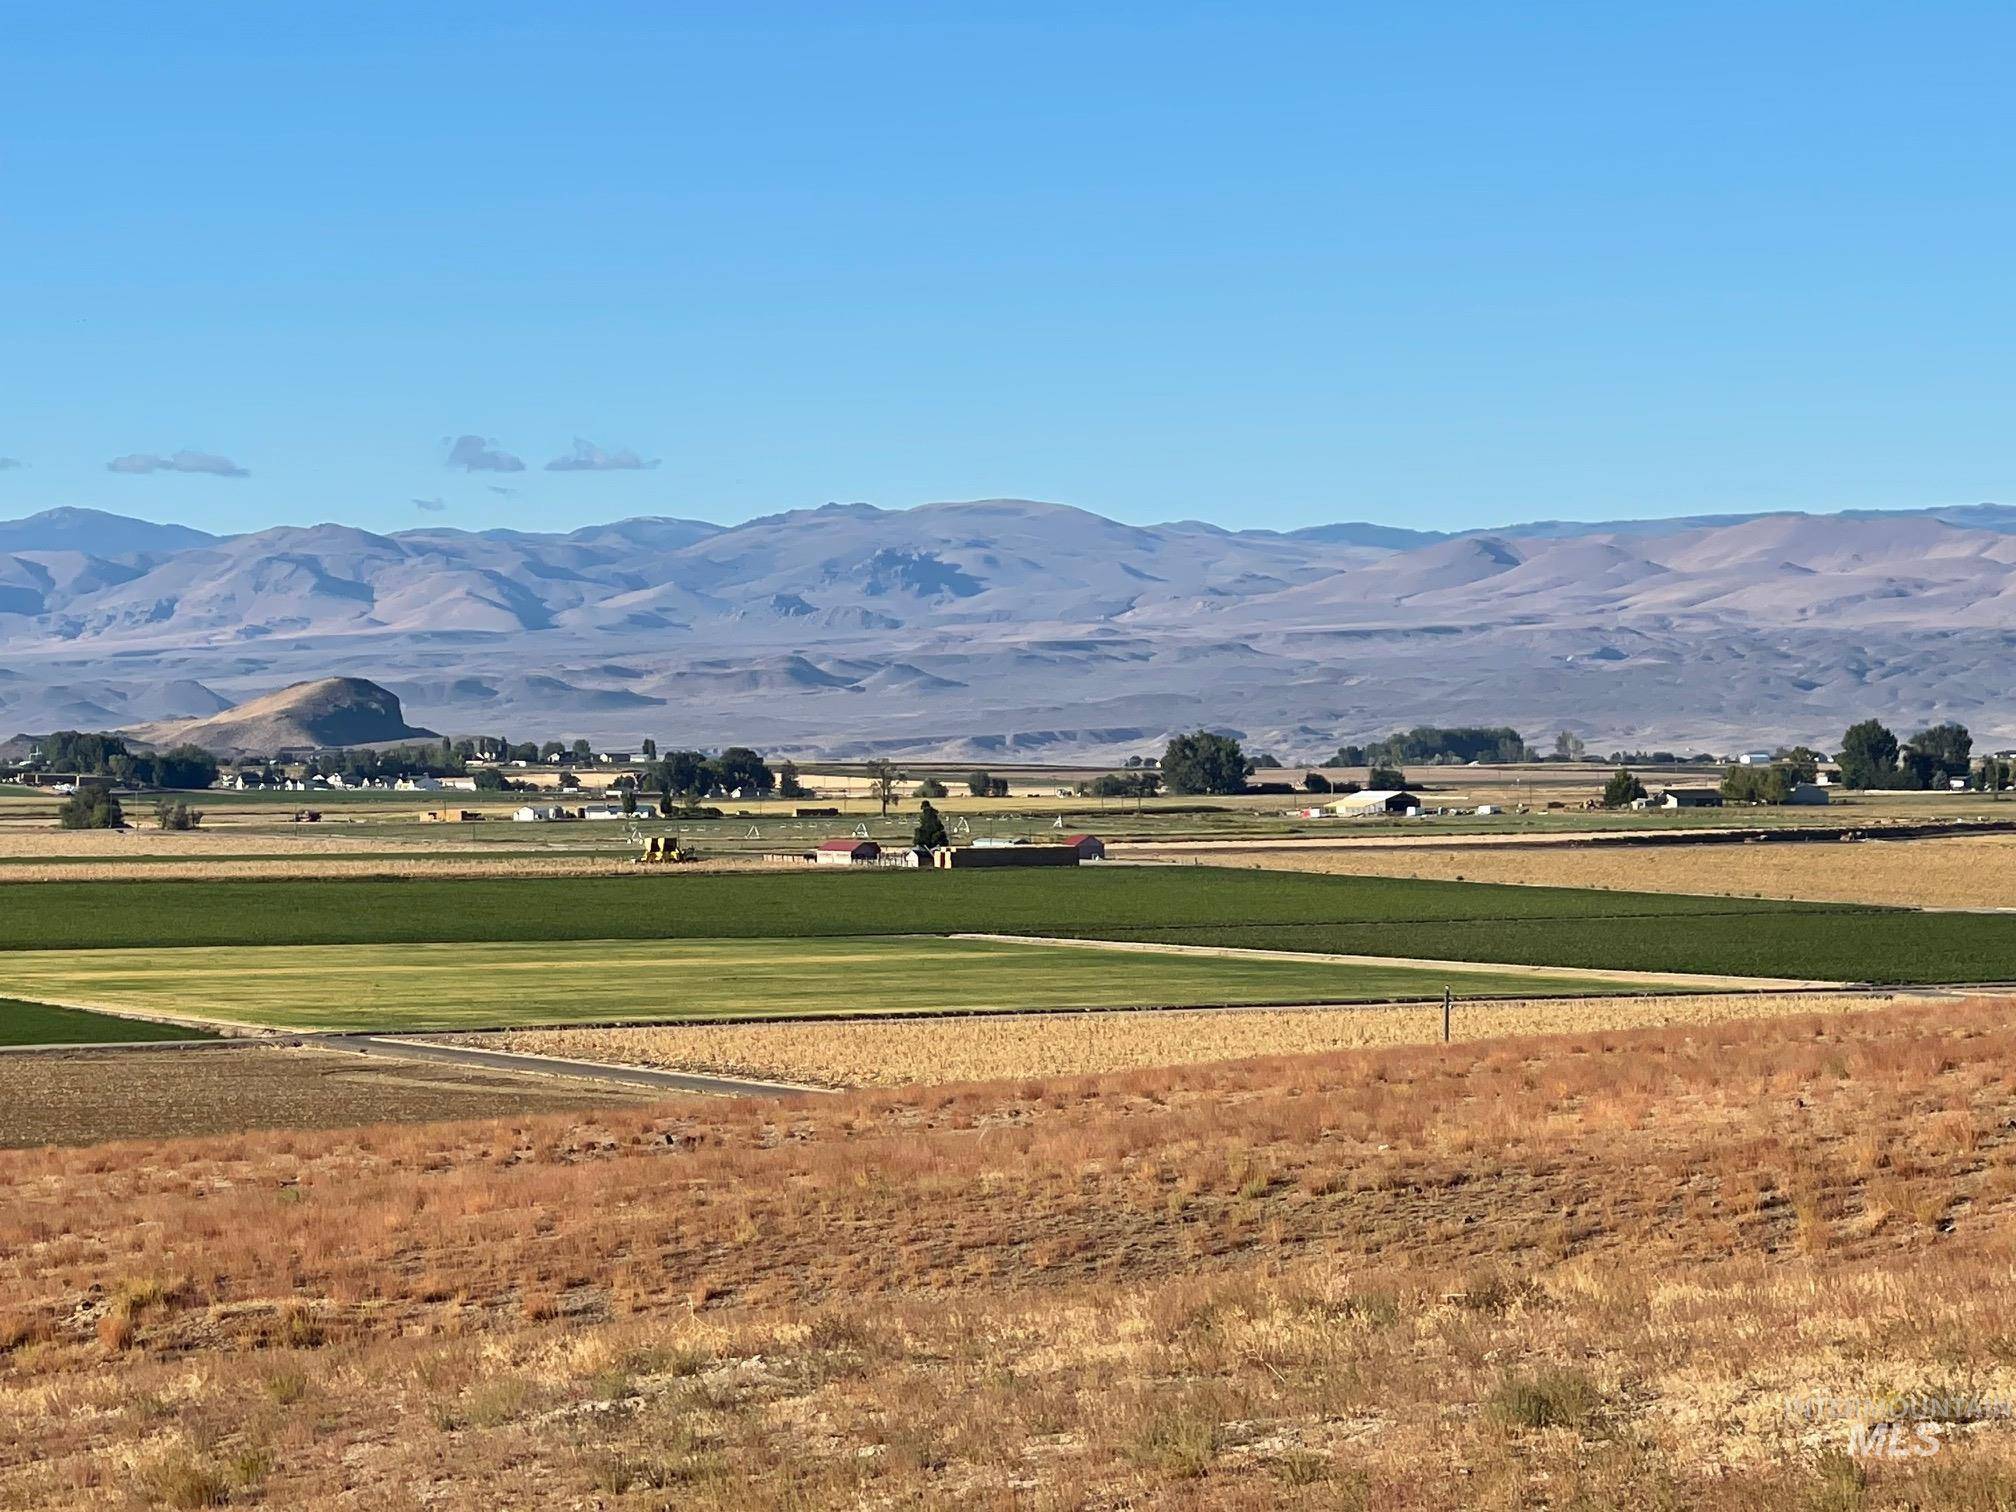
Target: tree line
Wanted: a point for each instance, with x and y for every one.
(97, 755)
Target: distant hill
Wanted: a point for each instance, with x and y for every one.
(95, 533)
(1015, 626)
(327, 712)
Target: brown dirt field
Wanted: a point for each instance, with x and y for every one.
(1961, 872)
(891, 1053)
(1592, 1270)
(88, 1096)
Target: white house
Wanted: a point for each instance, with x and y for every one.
(418, 784)
(605, 811)
(538, 814)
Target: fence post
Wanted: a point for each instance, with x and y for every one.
(1448, 1000)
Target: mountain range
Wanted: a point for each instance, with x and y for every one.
(1009, 629)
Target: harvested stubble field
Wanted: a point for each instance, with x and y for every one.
(86, 1097)
(894, 1053)
(1968, 871)
(1592, 1270)
(394, 987)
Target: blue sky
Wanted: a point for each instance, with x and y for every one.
(1265, 264)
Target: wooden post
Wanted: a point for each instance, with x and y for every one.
(1447, 1001)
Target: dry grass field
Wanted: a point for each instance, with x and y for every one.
(87, 1096)
(1960, 872)
(891, 1053)
(1594, 1270)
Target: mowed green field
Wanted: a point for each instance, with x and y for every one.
(391, 987)
(1458, 921)
(40, 1024)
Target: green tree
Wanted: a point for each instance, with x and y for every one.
(930, 787)
(1758, 784)
(682, 774)
(1383, 778)
(1623, 789)
(91, 807)
(176, 816)
(649, 749)
(582, 750)
(979, 784)
(882, 780)
(186, 766)
(1202, 762)
(930, 833)
(1315, 782)
(489, 780)
(741, 770)
(1802, 761)
(1868, 756)
(630, 800)
(788, 785)
(1947, 748)
(1568, 746)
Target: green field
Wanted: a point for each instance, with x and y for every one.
(389, 987)
(1194, 905)
(40, 1024)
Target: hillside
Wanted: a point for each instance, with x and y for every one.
(1007, 627)
(330, 711)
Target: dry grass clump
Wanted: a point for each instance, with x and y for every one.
(1585, 1270)
(895, 1052)
(1967, 871)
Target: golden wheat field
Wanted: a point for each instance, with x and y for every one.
(1969, 871)
(1595, 1270)
(893, 1053)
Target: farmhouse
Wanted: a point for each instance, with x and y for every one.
(1679, 798)
(846, 852)
(1376, 801)
(1089, 847)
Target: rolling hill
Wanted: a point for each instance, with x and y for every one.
(1009, 625)
(329, 711)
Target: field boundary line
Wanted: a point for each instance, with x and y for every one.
(1688, 979)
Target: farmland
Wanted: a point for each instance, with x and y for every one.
(1599, 1269)
(891, 1053)
(1965, 871)
(41, 1024)
(1208, 906)
(378, 987)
